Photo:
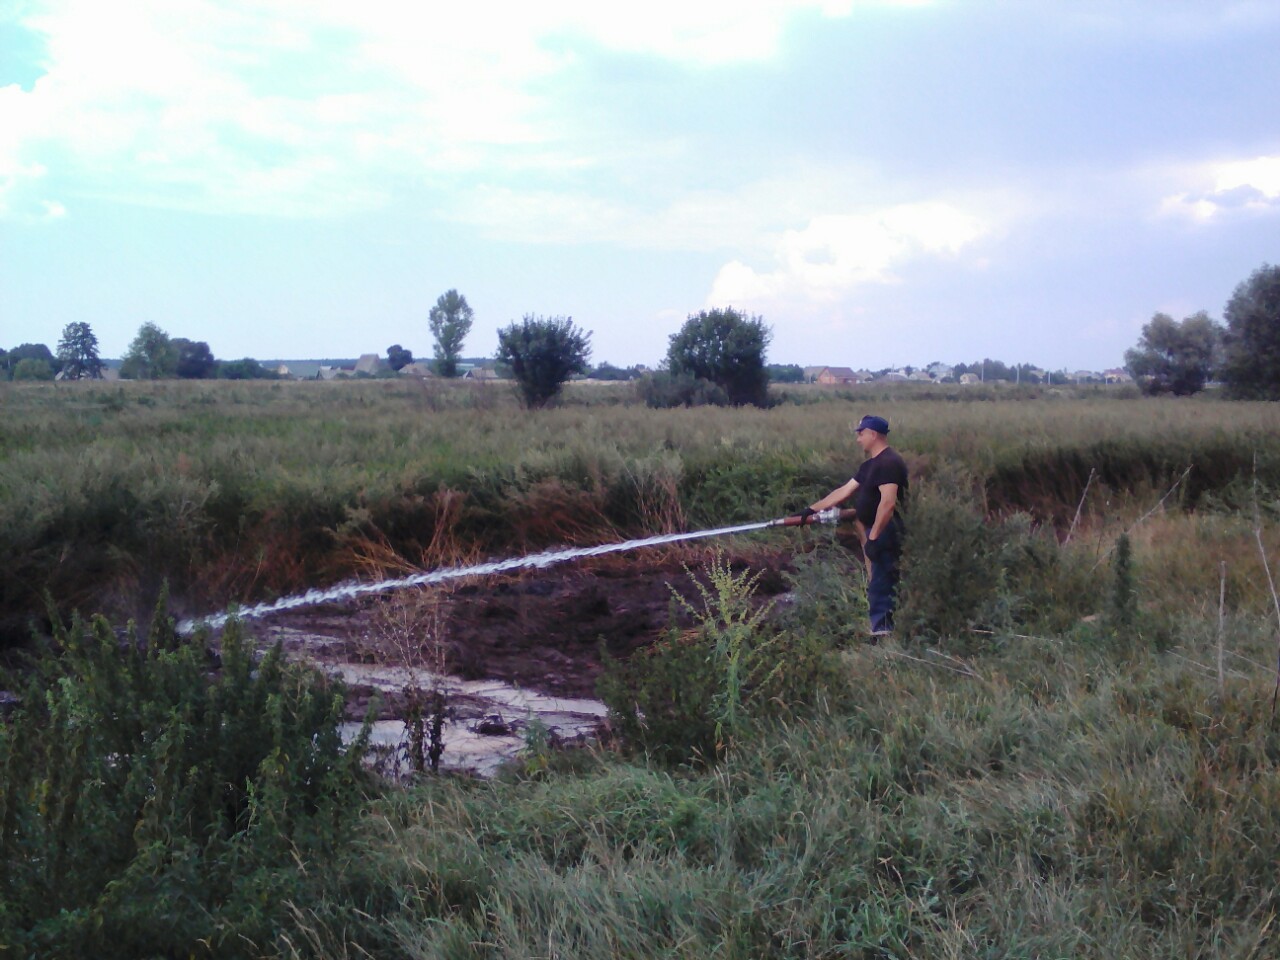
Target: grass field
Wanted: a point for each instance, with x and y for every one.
(1071, 750)
(239, 492)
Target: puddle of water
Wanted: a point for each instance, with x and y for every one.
(469, 750)
(475, 702)
(504, 698)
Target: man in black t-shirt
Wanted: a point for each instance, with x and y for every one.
(879, 489)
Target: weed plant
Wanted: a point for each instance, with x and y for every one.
(147, 809)
(690, 697)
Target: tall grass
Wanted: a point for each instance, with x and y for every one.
(1053, 801)
(236, 492)
(1048, 763)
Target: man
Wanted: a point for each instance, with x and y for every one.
(879, 489)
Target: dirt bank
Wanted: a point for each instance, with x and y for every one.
(540, 630)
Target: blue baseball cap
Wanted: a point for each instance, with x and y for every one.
(878, 424)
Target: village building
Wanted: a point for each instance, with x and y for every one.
(370, 363)
(836, 375)
(419, 369)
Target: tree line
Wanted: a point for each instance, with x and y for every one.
(153, 355)
(1181, 357)
(717, 356)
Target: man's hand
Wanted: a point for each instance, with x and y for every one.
(872, 549)
(806, 513)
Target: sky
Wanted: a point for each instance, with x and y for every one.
(885, 183)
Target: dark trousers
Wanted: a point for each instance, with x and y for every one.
(882, 586)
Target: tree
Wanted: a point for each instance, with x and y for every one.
(78, 352)
(542, 353)
(607, 371)
(195, 359)
(1251, 365)
(398, 357)
(726, 348)
(246, 369)
(785, 373)
(31, 351)
(450, 321)
(151, 355)
(31, 368)
(1173, 357)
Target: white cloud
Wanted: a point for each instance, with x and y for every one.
(1262, 174)
(305, 107)
(834, 254)
(1228, 188)
(702, 220)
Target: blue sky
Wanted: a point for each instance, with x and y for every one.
(885, 183)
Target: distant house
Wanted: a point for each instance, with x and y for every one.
(483, 374)
(895, 376)
(969, 378)
(333, 373)
(942, 371)
(282, 370)
(921, 376)
(106, 373)
(833, 375)
(370, 363)
(419, 369)
(1117, 375)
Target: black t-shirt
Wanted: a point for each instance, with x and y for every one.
(886, 467)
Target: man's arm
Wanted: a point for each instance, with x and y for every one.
(884, 513)
(838, 495)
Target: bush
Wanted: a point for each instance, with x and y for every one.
(148, 809)
(30, 368)
(829, 591)
(662, 391)
(961, 573)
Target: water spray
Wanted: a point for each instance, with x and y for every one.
(536, 561)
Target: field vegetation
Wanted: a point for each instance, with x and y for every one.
(1070, 750)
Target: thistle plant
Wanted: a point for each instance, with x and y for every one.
(726, 616)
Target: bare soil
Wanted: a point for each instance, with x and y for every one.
(543, 630)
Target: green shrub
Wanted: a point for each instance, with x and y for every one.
(692, 695)
(661, 391)
(149, 808)
(828, 591)
(962, 573)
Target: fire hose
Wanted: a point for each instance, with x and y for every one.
(536, 560)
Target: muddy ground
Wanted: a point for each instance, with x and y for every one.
(540, 630)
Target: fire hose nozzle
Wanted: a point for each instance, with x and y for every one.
(830, 515)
